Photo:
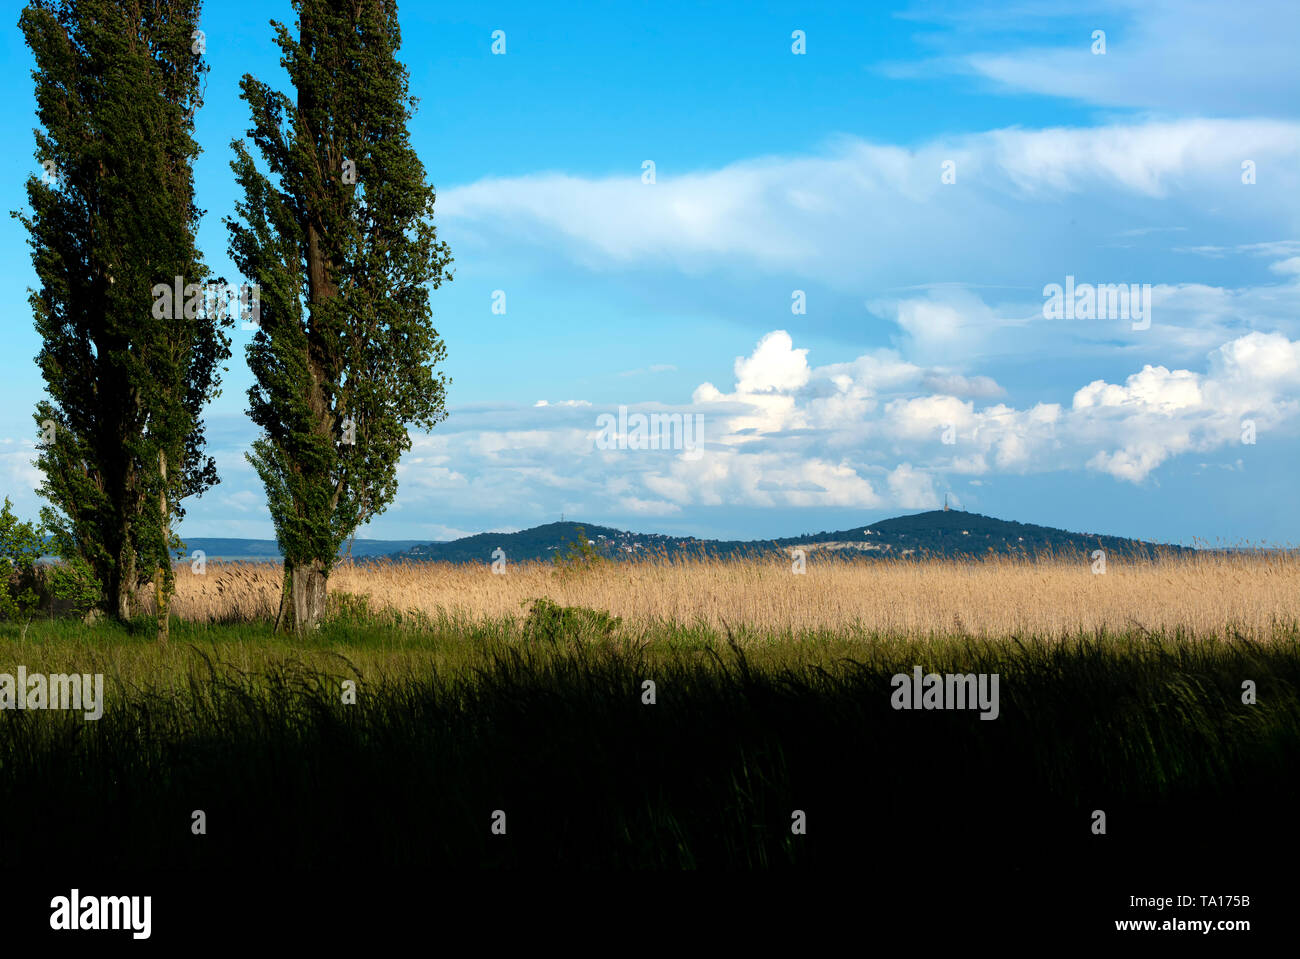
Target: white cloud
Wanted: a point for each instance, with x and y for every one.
(912, 489)
(1155, 389)
(21, 479)
(868, 434)
(1125, 429)
(860, 215)
(954, 384)
(775, 366)
(648, 507)
(871, 433)
(1163, 54)
(1159, 413)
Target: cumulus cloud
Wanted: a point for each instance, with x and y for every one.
(875, 432)
(1159, 413)
(775, 366)
(776, 444)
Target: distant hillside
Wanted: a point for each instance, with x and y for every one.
(266, 550)
(958, 533)
(937, 533)
(542, 542)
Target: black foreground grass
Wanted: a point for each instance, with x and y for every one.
(548, 725)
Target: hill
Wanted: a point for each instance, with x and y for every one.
(266, 550)
(950, 533)
(542, 542)
(958, 533)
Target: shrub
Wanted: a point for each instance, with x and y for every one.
(66, 587)
(72, 586)
(21, 545)
(350, 609)
(578, 555)
(550, 622)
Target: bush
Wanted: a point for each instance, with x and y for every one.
(65, 587)
(578, 555)
(21, 545)
(350, 609)
(550, 622)
(71, 587)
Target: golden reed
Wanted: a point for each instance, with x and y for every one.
(1254, 595)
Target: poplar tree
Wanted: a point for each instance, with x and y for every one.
(113, 220)
(339, 235)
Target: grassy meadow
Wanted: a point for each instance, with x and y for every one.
(525, 693)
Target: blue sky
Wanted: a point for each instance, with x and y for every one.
(924, 364)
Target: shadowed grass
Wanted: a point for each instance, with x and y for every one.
(542, 716)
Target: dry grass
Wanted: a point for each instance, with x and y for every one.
(1211, 594)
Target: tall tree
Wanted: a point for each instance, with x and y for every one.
(345, 252)
(112, 227)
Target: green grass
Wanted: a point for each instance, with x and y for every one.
(542, 717)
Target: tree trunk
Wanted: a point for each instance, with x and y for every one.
(162, 604)
(161, 586)
(127, 507)
(309, 582)
(284, 616)
(125, 577)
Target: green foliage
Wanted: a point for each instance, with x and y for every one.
(350, 609)
(340, 237)
(25, 587)
(72, 580)
(122, 436)
(579, 551)
(550, 622)
(351, 614)
(578, 555)
(21, 545)
(72, 584)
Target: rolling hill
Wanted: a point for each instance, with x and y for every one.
(266, 550)
(952, 533)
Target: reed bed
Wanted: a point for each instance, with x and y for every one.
(1253, 596)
